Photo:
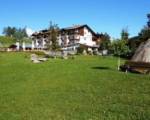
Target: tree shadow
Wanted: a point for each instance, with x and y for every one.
(101, 68)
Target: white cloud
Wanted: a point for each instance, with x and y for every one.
(29, 31)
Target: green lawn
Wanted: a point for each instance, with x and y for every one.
(86, 88)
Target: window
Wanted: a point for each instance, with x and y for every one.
(76, 31)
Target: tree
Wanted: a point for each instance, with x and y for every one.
(105, 41)
(124, 34)
(17, 33)
(20, 34)
(143, 35)
(9, 31)
(148, 23)
(52, 43)
(133, 44)
(120, 48)
(145, 32)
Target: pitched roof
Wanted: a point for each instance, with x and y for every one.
(66, 29)
(78, 27)
(73, 27)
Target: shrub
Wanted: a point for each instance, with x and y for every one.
(81, 49)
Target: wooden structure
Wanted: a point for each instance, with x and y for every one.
(137, 67)
(140, 62)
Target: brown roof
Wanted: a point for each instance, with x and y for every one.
(66, 29)
(78, 27)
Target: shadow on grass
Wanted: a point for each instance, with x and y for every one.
(101, 68)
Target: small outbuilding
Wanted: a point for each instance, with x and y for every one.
(12, 48)
(140, 62)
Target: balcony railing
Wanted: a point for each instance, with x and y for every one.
(74, 37)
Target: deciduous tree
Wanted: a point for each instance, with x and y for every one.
(105, 41)
(52, 43)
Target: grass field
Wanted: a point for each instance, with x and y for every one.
(86, 88)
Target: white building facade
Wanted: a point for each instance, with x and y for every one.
(69, 38)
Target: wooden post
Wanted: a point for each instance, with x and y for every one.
(24, 46)
(33, 45)
(119, 62)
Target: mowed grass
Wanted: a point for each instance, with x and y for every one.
(86, 88)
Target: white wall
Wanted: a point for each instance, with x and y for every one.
(87, 38)
(65, 38)
(59, 40)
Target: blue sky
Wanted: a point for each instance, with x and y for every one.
(101, 15)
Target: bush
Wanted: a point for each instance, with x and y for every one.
(81, 49)
(120, 48)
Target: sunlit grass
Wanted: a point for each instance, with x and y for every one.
(84, 88)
